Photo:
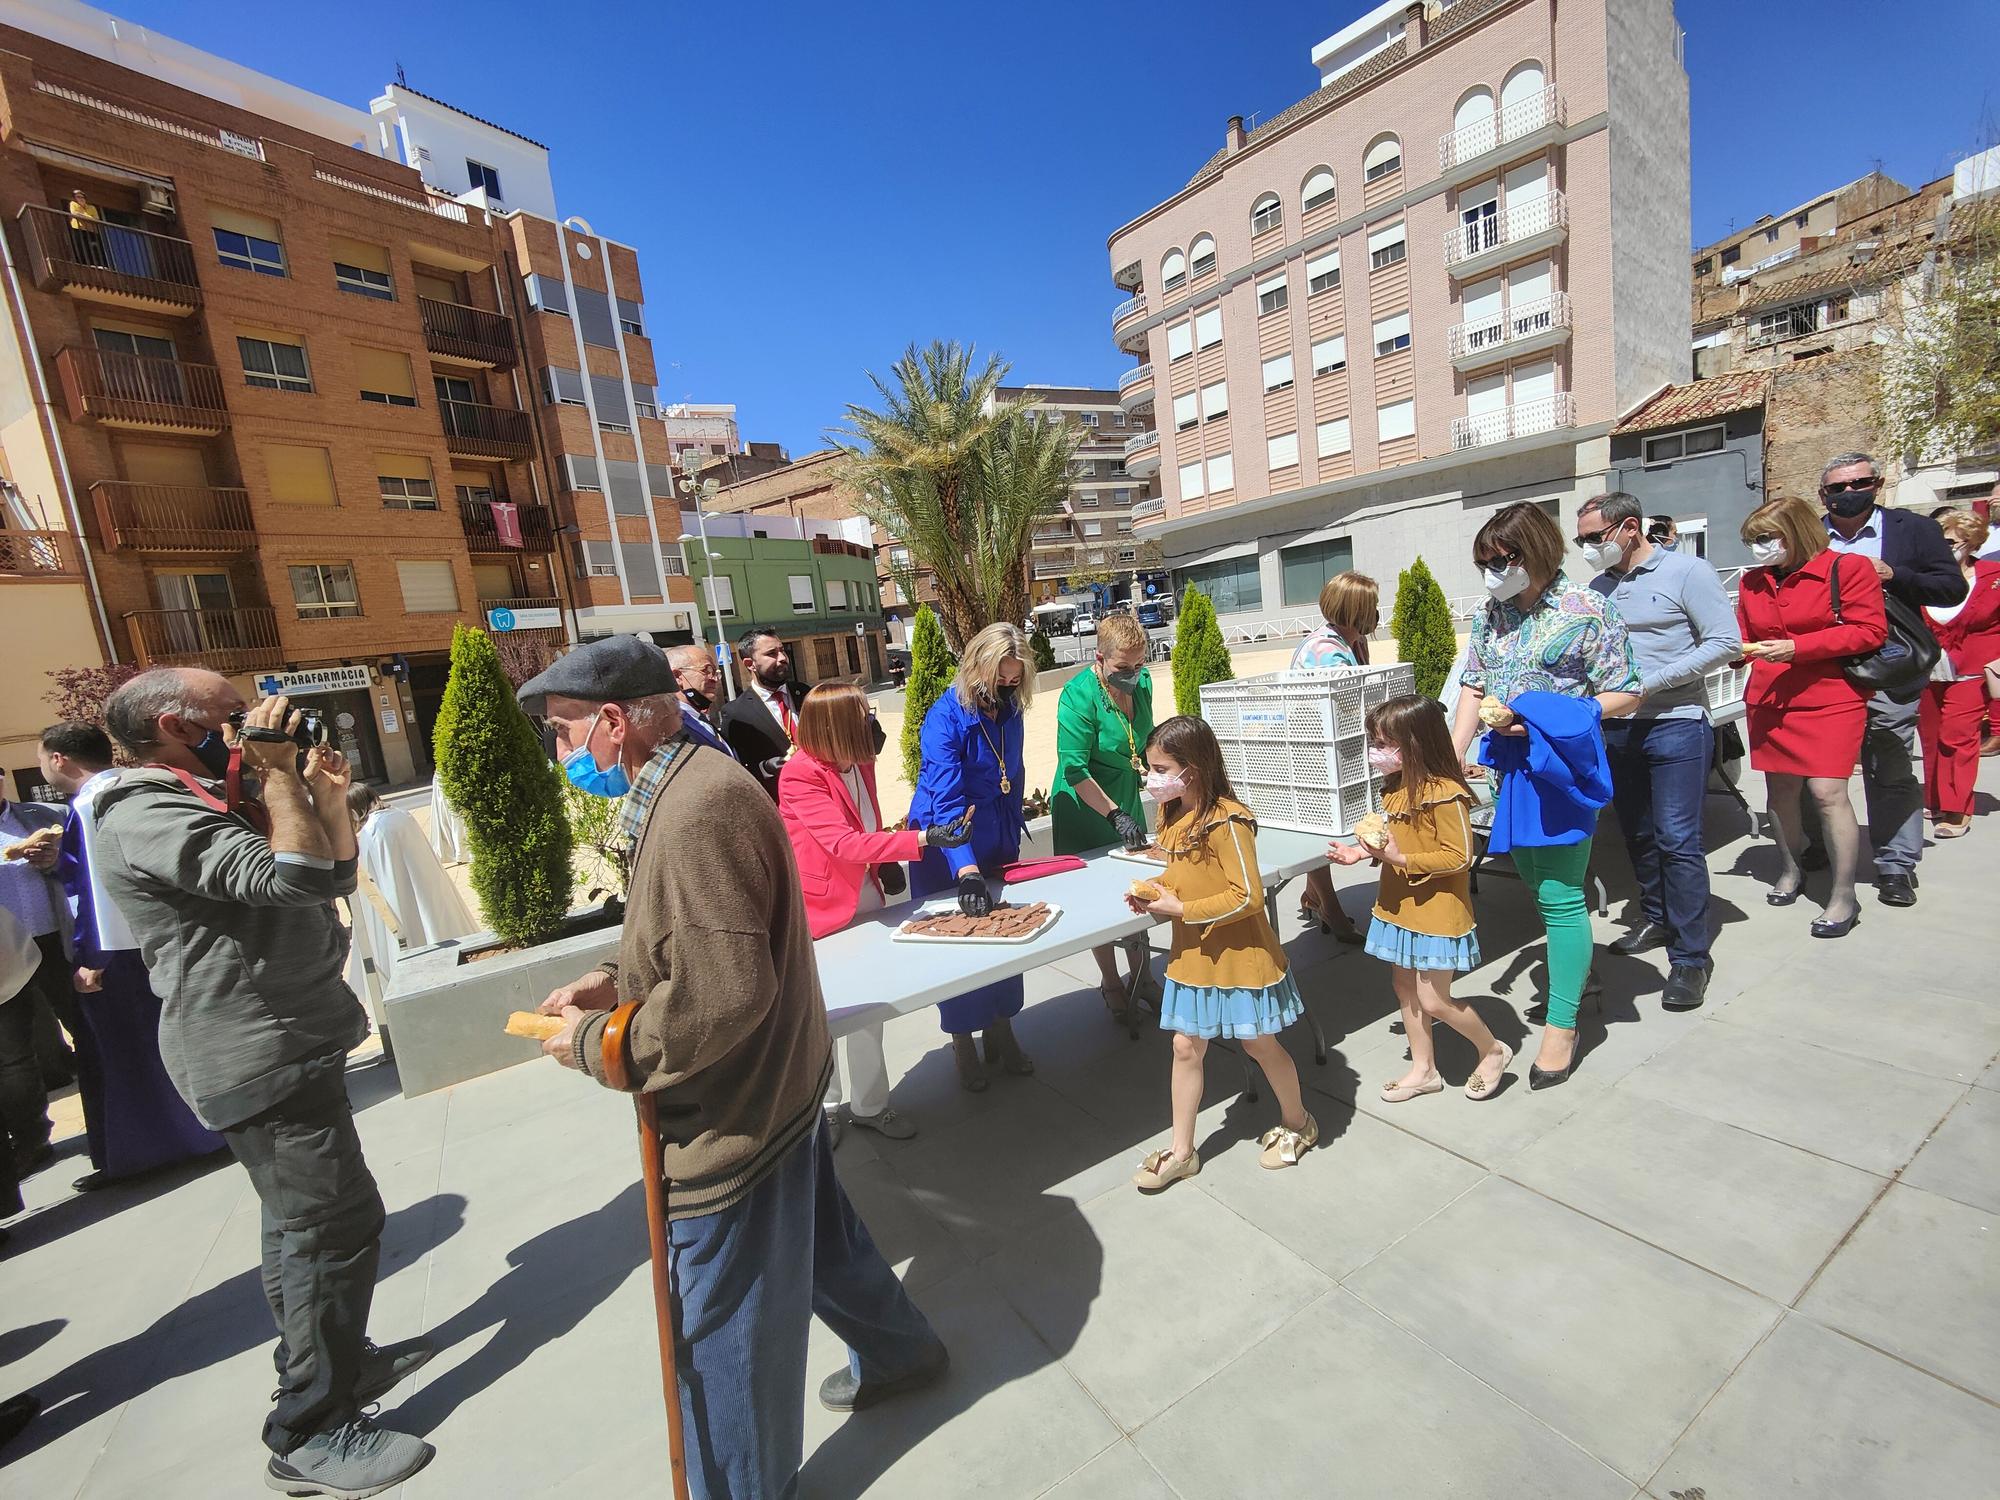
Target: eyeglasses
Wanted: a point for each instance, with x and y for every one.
(1851, 486)
(1766, 539)
(1597, 536)
(1508, 559)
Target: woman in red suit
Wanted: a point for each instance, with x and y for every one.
(826, 795)
(1805, 719)
(1949, 712)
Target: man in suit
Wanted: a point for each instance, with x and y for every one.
(699, 680)
(1916, 565)
(29, 890)
(759, 722)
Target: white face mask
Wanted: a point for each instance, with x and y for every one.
(1604, 554)
(1504, 583)
(1769, 553)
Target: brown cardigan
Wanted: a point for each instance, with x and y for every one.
(1222, 937)
(730, 1033)
(1432, 894)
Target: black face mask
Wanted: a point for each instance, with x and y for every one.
(213, 753)
(697, 699)
(1008, 694)
(1850, 503)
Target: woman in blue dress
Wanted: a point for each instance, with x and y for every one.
(971, 747)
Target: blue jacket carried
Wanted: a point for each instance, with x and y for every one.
(1552, 782)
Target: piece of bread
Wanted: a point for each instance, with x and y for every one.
(1494, 714)
(536, 1028)
(1145, 890)
(1372, 830)
(41, 838)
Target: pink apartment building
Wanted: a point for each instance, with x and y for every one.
(1423, 292)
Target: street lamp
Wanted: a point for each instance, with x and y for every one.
(698, 491)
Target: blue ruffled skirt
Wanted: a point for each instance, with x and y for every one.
(1211, 1012)
(1415, 950)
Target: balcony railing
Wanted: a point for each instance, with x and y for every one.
(1534, 218)
(39, 554)
(1523, 419)
(1514, 122)
(482, 527)
(136, 390)
(1511, 326)
(172, 517)
(1140, 441)
(1148, 510)
(1131, 307)
(108, 262)
(222, 640)
(471, 334)
(1125, 330)
(1135, 388)
(487, 431)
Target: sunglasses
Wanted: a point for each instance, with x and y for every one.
(1766, 539)
(1509, 559)
(1597, 536)
(1851, 486)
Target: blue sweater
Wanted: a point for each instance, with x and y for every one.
(1553, 782)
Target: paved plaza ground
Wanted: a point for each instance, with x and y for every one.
(1746, 1252)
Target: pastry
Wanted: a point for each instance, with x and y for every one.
(1003, 921)
(536, 1028)
(1494, 714)
(1372, 830)
(41, 838)
(1145, 890)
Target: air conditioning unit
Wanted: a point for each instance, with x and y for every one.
(157, 200)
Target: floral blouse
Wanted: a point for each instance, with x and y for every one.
(1571, 641)
(1325, 647)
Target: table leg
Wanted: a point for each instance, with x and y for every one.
(1319, 1036)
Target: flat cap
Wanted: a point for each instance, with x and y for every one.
(614, 670)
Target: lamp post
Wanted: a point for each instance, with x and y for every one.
(698, 492)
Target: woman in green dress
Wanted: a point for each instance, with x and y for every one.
(1102, 721)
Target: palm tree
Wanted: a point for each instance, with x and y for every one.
(959, 479)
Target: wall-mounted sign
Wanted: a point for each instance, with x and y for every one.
(313, 680)
(503, 619)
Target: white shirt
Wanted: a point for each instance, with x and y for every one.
(1867, 541)
(781, 716)
(1991, 546)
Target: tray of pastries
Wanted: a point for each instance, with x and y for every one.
(942, 922)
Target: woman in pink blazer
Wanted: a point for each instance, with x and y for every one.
(826, 795)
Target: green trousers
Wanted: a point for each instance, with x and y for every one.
(1555, 875)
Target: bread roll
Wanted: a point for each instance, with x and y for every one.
(535, 1028)
(1145, 890)
(1494, 714)
(41, 838)
(1373, 830)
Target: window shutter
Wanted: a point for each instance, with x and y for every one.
(1185, 414)
(609, 393)
(1334, 437)
(239, 222)
(403, 466)
(1382, 239)
(642, 569)
(1397, 420)
(428, 588)
(1271, 284)
(1395, 326)
(1208, 328)
(593, 316)
(1329, 354)
(562, 385)
(360, 253)
(801, 586)
(299, 476)
(1191, 481)
(580, 469)
(631, 312)
(1215, 399)
(1180, 340)
(1282, 450)
(1278, 372)
(384, 371)
(546, 293)
(1221, 472)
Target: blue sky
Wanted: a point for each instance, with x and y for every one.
(812, 186)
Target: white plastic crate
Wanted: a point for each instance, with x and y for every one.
(1726, 685)
(1295, 744)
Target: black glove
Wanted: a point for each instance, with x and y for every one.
(893, 882)
(974, 900)
(1131, 832)
(950, 835)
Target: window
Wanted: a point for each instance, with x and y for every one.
(1201, 255)
(1191, 481)
(405, 482)
(1330, 355)
(249, 242)
(1272, 296)
(1221, 473)
(718, 592)
(474, 494)
(1318, 189)
(1384, 157)
(1215, 401)
(1333, 438)
(362, 268)
(1703, 266)
(1675, 445)
(593, 317)
(1834, 312)
(581, 470)
(325, 591)
(631, 318)
(562, 387)
(1282, 451)
(453, 388)
(801, 585)
(643, 401)
(1186, 413)
(1180, 341)
(1387, 247)
(1088, 418)
(1323, 273)
(1771, 235)
(1732, 254)
(1267, 215)
(1118, 419)
(1789, 322)
(1392, 334)
(1310, 566)
(1479, 224)
(299, 476)
(479, 175)
(1208, 328)
(546, 294)
(1278, 373)
(1232, 586)
(1396, 420)
(1173, 271)
(274, 361)
(1093, 528)
(384, 377)
(836, 594)
(429, 588)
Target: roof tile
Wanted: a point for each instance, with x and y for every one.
(1698, 400)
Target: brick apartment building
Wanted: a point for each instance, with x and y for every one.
(277, 404)
(1420, 293)
(1776, 238)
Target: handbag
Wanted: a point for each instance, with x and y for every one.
(1900, 667)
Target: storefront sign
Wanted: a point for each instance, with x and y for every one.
(504, 620)
(388, 721)
(313, 680)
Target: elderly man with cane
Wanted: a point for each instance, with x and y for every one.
(722, 1032)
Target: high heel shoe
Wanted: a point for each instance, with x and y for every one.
(1821, 928)
(1547, 1078)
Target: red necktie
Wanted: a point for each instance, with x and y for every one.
(785, 713)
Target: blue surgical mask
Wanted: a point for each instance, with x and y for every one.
(584, 773)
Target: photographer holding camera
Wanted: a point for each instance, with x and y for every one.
(224, 850)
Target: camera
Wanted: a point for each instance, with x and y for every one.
(311, 728)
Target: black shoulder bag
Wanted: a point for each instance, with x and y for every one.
(1901, 665)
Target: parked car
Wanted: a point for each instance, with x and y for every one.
(1084, 623)
(1151, 614)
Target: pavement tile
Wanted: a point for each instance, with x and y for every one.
(1146, 1297)
(1341, 1402)
(919, 1248)
(1962, 1160)
(1614, 1344)
(1928, 1031)
(1681, 1181)
(1921, 1279)
(1118, 1473)
(1813, 1413)
(1862, 1113)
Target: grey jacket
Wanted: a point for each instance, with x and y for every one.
(243, 946)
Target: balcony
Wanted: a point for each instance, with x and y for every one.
(1488, 243)
(172, 517)
(136, 390)
(1540, 324)
(222, 640)
(1523, 419)
(476, 430)
(1125, 329)
(463, 335)
(39, 554)
(1149, 510)
(1142, 454)
(108, 262)
(482, 527)
(1135, 389)
(1052, 567)
(1514, 130)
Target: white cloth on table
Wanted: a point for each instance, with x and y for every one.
(447, 827)
(426, 905)
(864, 1062)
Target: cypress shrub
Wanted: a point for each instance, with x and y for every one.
(1199, 655)
(1425, 637)
(1045, 654)
(932, 668)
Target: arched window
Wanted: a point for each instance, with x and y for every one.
(1201, 255)
(1173, 271)
(1267, 215)
(1384, 156)
(1477, 105)
(1318, 189)
(1524, 83)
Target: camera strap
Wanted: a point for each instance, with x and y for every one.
(232, 800)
